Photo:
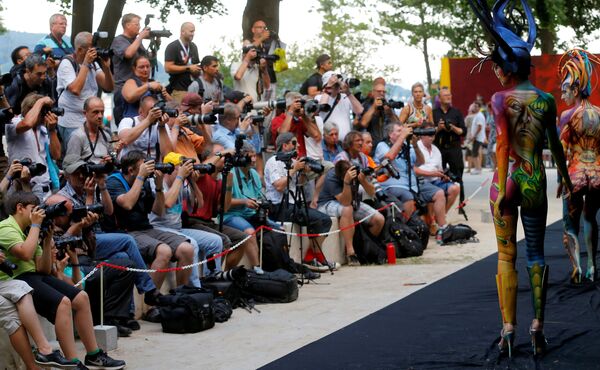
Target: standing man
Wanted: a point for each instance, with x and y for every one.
(181, 62)
(209, 85)
(261, 39)
(337, 94)
(314, 84)
(55, 43)
(251, 75)
(126, 47)
(377, 114)
(450, 128)
(33, 80)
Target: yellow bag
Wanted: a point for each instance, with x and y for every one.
(281, 64)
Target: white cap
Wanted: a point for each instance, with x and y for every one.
(326, 76)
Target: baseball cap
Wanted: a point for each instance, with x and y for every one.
(283, 139)
(71, 163)
(190, 100)
(326, 76)
(234, 96)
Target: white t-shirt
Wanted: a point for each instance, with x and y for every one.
(73, 104)
(248, 82)
(25, 145)
(433, 160)
(314, 149)
(146, 142)
(274, 170)
(478, 120)
(340, 114)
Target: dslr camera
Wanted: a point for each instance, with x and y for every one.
(238, 159)
(351, 82)
(161, 104)
(35, 169)
(392, 104)
(264, 205)
(420, 131)
(259, 56)
(102, 53)
(156, 33)
(62, 243)
(80, 212)
(313, 164)
(7, 267)
(313, 107)
(98, 169)
(56, 110)
(286, 157)
(52, 212)
(197, 119)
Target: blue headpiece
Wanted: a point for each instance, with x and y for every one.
(510, 51)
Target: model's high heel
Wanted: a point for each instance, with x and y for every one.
(507, 340)
(538, 341)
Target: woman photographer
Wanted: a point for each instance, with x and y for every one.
(139, 86)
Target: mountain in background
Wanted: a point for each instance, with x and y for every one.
(12, 39)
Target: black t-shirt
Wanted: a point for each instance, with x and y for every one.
(18, 90)
(122, 66)
(333, 186)
(176, 53)
(137, 218)
(316, 80)
(378, 121)
(447, 139)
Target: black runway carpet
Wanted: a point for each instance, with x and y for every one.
(455, 324)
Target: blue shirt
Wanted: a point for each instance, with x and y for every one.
(382, 149)
(329, 155)
(59, 51)
(226, 137)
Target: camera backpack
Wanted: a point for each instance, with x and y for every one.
(275, 253)
(406, 241)
(458, 234)
(278, 286)
(187, 309)
(420, 228)
(367, 248)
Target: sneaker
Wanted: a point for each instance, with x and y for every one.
(152, 315)
(130, 323)
(334, 265)
(81, 366)
(315, 266)
(54, 359)
(258, 270)
(352, 260)
(103, 361)
(310, 275)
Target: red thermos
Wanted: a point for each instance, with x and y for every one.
(391, 254)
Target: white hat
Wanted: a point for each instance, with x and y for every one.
(326, 76)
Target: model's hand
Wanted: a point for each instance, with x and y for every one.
(498, 205)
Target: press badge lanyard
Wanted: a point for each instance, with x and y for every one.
(186, 52)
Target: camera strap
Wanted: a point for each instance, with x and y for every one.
(337, 100)
(93, 146)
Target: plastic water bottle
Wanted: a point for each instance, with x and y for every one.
(391, 254)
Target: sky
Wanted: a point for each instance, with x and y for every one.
(296, 24)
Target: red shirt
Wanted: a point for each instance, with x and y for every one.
(297, 128)
(211, 193)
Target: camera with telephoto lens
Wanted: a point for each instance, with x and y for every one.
(207, 168)
(420, 131)
(271, 104)
(80, 212)
(166, 168)
(162, 105)
(262, 212)
(7, 267)
(101, 53)
(313, 107)
(98, 169)
(237, 159)
(392, 104)
(6, 116)
(256, 119)
(35, 169)
(52, 212)
(447, 124)
(390, 168)
(156, 33)
(6, 79)
(259, 56)
(286, 157)
(351, 82)
(56, 110)
(313, 164)
(62, 243)
(207, 119)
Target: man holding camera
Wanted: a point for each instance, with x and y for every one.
(126, 47)
(32, 138)
(337, 94)
(146, 132)
(78, 78)
(55, 43)
(377, 114)
(57, 301)
(451, 128)
(33, 79)
(251, 75)
(185, 139)
(314, 84)
(182, 61)
(92, 141)
(262, 40)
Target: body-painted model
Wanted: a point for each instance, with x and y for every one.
(523, 114)
(580, 137)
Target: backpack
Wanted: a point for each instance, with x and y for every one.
(420, 228)
(187, 309)
(275, 253)
(406, 241)
(367, 248)
(460, 233)
(278, 286)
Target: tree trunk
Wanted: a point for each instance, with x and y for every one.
(546, 29)
(83, 17)
(265, 10)
(548, 40)
(427, 66)
(110, 20)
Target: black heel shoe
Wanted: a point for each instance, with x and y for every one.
(506, 343)
(538, 341)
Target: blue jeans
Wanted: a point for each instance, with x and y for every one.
(112, 245)
(205, 243)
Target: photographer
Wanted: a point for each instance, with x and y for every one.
(416, 112)
(53, 299)
(80, 190)
(406, 155)
(314, 84)
(353, 150)
(450, 131)
(281, 180)
(251, 75)
(377, 114)
(92, 141)
(147, 131)
(139, 86)
(187, 139)
(33, 79)
(262, 40)
(33, 136)
(78, 78)
(337, 94)
(126, 47)
(181, 61)
(331, 143)
(75, 256)
(338, 197)
(18, 57)
(133, 199)
(209, 85)
(16, 179)
(201, 217)
(55, 43)
(180, 185)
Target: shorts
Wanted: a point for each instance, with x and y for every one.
(229, 235)
(403, 195)
(48, 292)
(241, 223)
(149, 240)
(444, 185)
(427, 191)
(11, 292)
(333, 208)
(476, 146)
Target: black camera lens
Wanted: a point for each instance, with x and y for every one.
(166, 168)
(205, 168)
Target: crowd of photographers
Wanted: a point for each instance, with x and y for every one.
(193, 169)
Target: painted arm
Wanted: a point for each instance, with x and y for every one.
(502, 150)
(555, 145)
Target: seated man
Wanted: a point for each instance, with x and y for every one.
(331, 145)
(337, 200)
(133, 199)
(285, 185)
(53, 299)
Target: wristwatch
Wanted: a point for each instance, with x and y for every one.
(187, 69)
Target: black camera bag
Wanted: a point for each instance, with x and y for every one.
(459, 233)
(406, 241)
(368, 249)
(420, 228)
(187, 309)
(278, 286)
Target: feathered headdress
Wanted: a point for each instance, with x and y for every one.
(510, 51)
(578, 64)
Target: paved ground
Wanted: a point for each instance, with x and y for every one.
(249, 340)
